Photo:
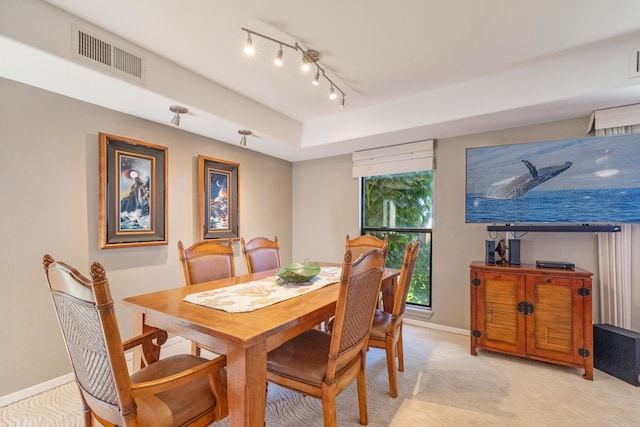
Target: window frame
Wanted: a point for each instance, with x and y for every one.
(387, 230)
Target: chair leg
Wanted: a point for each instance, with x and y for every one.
(87, 415)
(400, 350)
(329, 405)
(390, 349)
(362, 391)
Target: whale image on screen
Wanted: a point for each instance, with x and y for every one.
(583, 180)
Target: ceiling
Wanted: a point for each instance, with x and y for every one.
(411, 69)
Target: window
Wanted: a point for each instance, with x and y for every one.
(400, 206)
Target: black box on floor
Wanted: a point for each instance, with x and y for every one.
(616, 351)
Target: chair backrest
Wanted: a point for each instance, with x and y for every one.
(88, 321)
(359, 288)
(404, 280)
(361, 244)
(206, 261)
(261, 254)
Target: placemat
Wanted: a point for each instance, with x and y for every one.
(257, 294)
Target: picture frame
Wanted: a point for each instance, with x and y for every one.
(132, 192)
(218, 197)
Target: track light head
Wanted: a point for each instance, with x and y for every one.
(244, 133)
(178, 110)
(248, 46)
(342, 102)
(305, 64)
(278, 60)
(308, 58)
(332, 93)
(316, 79)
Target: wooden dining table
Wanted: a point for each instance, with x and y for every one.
(245, 338)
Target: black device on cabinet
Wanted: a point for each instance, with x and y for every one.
(514, 251)
(490, 252)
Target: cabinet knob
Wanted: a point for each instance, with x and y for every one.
(584, 292)
(525, 308)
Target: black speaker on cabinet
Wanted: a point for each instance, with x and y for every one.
(616, 351)
(490, 252)
(514, 251)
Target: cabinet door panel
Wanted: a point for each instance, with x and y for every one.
(500, 324)
(554, 330)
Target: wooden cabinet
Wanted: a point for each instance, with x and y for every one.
(531, 312)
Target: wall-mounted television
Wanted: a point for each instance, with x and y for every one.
(591, 180)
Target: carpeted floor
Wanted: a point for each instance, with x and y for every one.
(443, 385)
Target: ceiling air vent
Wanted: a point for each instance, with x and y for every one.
(107, 55)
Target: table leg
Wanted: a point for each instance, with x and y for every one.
(138, 327)
(150, 349)
(247, 385)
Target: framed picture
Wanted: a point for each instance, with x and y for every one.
(132, 193)
(218, 215)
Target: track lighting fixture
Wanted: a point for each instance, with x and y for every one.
(309, 58)
(332, 93)
(244, 133)
(248, 46)
(278, 60)
(178, 110)
(306, 63)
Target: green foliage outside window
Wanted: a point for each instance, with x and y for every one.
(400, 206)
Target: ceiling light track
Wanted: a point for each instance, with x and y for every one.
(309, 59)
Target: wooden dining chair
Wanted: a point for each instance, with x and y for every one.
(322, 365)
(174, 391)
(261, 254)
(206, 261)
(386, 331)
(361, 244)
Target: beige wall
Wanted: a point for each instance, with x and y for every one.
(325, 186)
(325, 209)
(48, 191)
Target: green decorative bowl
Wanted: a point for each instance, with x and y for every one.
(296, 272)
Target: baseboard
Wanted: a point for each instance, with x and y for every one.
(36, 389)
(8, 399)
(420, 316)
(436, 326)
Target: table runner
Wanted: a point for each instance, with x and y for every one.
(261, 293)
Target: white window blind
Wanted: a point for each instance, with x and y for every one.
(412, 157)
(628, 115)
